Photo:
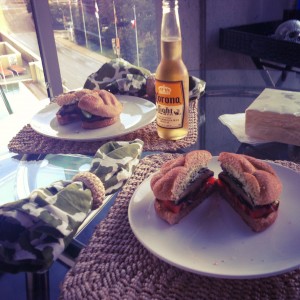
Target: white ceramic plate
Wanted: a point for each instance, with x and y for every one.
(136, 114)
(214, 241)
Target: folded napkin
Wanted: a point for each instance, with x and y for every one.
(236, 124)
(114, 162)
(34, 231)
(120, 77)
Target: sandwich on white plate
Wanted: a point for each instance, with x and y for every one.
(251, 187)
(93, 108)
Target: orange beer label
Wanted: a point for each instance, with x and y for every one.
(170, 104)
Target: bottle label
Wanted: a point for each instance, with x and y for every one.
(170, 104)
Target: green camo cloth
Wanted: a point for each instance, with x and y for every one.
(120, 77)
(34, 231)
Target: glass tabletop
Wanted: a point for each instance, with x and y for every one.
(21, 174)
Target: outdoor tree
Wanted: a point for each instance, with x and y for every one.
(136, 30)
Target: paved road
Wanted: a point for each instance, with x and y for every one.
(76, 62)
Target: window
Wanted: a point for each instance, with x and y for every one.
(21, 74)
(61, 42)
(87, 33)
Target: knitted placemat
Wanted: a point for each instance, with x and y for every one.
(28, 141)
(115, 265)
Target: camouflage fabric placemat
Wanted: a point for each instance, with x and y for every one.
(115, 265)
(28, 141)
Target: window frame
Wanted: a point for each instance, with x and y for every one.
(45, 36)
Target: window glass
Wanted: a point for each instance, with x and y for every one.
(89, 33)
(21, 74)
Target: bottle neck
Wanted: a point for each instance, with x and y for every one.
(171, 49)
(170, 31)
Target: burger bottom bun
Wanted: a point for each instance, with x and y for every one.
(99, 124)
(174, 218)
(257, 225)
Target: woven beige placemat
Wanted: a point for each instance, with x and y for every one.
(28, 141)
(114, 265)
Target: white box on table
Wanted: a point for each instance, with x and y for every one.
(275, 116)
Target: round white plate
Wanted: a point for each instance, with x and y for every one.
(136, 114)
(214, 241)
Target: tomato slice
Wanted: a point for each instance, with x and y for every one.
(176, 208)
(170, 205)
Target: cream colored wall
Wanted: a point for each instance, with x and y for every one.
(9, 55)
(34, 62)
(6, 48)
(37, 74)
(27, 54)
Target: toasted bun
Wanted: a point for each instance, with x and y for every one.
(101, 103)
(175, 175)
(71, 97)
(83, 92)
(258, 178)
(66, 98)
(99, 124)
(256, 225)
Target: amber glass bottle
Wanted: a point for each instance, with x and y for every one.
(171, 78)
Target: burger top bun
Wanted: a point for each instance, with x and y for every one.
(175, 175)
(101, 103)
(258, 178)
(71, 97)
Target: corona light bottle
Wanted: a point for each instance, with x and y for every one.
(171, 78)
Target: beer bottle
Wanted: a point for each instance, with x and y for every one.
(171, 78)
